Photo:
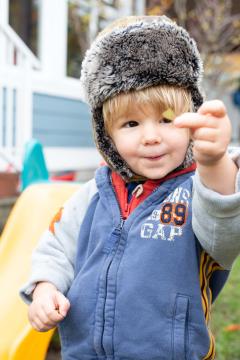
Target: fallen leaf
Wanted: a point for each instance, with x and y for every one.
(232, 327)
(169, 114)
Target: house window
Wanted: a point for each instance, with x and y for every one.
(24, 19)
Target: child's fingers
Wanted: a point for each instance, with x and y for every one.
(44, 313)
(61, 303)
(40, 321)
(49, 318)
(205, 117)
(194, 121)
(208, 134)
(52, 316)
(205, 148)
(38, 325)
(213, 107)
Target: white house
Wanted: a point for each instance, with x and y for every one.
(37, 99)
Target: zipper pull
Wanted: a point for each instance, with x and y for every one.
(113, 238)
(120, 226)
(138, 190)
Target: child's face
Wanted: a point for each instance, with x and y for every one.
(151, 145)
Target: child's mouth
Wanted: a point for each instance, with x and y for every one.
(156, 157)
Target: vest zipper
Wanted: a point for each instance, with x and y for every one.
(100, 346)
(127, 210)
(101, 310)
(120, 212)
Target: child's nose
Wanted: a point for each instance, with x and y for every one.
(151, 135)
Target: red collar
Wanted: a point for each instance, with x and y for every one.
(149, 185)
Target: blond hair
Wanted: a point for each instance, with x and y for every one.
(162, 97)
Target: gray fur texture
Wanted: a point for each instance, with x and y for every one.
(149, 52)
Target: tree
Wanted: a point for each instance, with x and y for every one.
(158, 7)
(86, 19)
(78, 34)
(215, 29)
(217, 33)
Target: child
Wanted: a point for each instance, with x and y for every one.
(130, 266)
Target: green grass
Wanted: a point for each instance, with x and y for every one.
(226, 311)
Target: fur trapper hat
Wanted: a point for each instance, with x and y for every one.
(136, 53)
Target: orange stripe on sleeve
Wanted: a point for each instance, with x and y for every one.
(55, 219)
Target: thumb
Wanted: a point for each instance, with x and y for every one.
(62, 303)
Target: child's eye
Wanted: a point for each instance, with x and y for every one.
(131, 123)
(165, 121)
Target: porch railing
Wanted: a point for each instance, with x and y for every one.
(16, 65)
(14, 51)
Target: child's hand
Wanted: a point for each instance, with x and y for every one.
(210, 129)
(48, 307)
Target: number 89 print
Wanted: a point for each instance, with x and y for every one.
(175, 214)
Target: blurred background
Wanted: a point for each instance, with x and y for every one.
(42, 44)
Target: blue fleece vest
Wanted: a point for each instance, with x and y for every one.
(142, 287)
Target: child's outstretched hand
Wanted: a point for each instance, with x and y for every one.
(210, 129)
(48, 307)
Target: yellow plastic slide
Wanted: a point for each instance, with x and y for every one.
(29, 217)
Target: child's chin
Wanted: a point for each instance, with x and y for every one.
(154, 175)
